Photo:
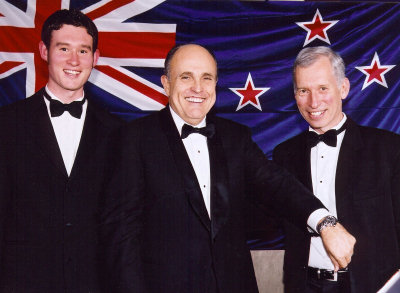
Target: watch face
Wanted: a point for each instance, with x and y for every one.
(329, 221)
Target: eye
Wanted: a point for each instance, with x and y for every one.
(83, 51)
(302, 92)
(323, 88)
(63, 49)
(185, 77)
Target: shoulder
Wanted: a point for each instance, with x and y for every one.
(19, 109)
(226, 127)
(105, 117)
(375, 136)
(292, 143)
(379, 139)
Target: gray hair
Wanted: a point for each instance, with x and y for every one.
(309, 55)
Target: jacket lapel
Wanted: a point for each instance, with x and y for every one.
(42, 132)
(303, 163)
(346, 168)
(89, 141)
(219, 183)
(185, 169)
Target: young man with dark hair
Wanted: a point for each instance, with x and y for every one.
(54, 148)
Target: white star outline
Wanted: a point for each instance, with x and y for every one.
(382, 75)
(326, 39)
(249, 80)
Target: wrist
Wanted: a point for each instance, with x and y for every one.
(328, 221)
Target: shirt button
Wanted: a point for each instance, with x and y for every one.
(320, 181)
(68, 224)
(198, 151)
(322, 157)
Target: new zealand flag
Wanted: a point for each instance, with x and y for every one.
(255, 44)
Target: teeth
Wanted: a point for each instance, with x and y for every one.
(71, 71)
(316, 113)
(194, 100)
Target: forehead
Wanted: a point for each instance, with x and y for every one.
(192, 58)
(321, 69)
(69, 33)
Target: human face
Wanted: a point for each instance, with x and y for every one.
(70, 60)
(191, 83)
(319, 96)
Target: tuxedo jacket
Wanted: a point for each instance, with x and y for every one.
(367, 188)
(163, 238)
(49, 220)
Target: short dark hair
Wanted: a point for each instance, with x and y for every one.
(172, 52)
(72, 17)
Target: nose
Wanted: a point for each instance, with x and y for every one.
(74, 58)
(314, 100)
(196, 86)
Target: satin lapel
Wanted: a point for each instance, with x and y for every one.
(182, 161)
(42, 132)
(219, 184)
(303, 163)
(89, 141)
(346, 168)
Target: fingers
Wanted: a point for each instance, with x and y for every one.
(339, 245)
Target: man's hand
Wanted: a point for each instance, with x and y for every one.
(339, 244)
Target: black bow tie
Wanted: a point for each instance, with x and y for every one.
(329, 137)
(207, 131)
(57, 108)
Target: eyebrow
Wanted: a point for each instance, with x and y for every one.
(67, 44)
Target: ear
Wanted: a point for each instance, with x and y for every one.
(165, 83)
(345, 88)
(44, 53)
(96, 56)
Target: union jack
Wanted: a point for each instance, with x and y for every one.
(122, 44)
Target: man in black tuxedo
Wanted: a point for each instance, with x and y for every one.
(353, 170)
(176, 206)
(53, 153)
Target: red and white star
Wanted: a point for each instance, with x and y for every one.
(249, 94)
(317, 28)
(375, 72)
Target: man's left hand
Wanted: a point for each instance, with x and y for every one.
(339, 244)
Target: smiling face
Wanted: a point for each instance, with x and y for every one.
(70, 60)
(319, 96)
(191, 83)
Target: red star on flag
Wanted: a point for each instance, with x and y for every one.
(317, 28)
(375, 72)
(249, 94)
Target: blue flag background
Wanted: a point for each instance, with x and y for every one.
(260, 40)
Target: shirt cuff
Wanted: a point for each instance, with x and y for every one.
(317, 216)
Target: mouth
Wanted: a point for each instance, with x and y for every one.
(317, 114)
(194, 99)
(72, 72)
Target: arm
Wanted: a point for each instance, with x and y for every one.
(121, 220)
(395, 189)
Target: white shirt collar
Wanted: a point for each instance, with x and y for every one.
(340, 124)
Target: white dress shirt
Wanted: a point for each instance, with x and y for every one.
(323, 161)
(197, 150)
(68, 131)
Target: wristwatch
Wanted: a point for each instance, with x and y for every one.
(328, 221)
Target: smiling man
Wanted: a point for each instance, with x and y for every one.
(175, 214)
(54, 148)
(353, 170)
